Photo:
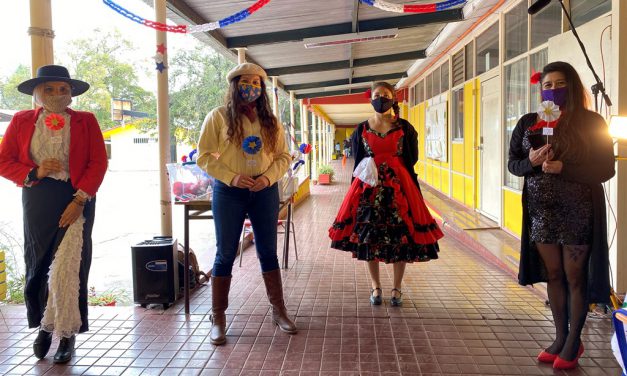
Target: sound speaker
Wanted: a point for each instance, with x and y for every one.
(155, 272)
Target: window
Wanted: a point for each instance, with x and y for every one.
(458, 68)
(144, 140)
(469, 61)
(412, 96)
(420, 92)
(546, 24)
(488, 49)
(429, 86)
(515, 102)
(516, 31)
(436, 82)
(445, 77)
(458, 115)
(537, 61)
(583, 11)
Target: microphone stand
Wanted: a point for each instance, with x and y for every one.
(598, 87)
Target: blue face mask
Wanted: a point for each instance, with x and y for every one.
(558, 96)
(249, 92)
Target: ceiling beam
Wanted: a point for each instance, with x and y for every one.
(345, 81)
(345, 64)
(329, 93)
(400, 22)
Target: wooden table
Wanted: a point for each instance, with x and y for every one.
(201, 209)
(198, 209)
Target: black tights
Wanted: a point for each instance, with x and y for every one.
(567, 278)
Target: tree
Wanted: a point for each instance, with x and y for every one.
(197, 85)
(10, 98)
(102, 61)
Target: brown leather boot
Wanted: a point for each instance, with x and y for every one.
(274, 289)
(220, 287)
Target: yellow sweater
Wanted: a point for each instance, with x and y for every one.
(232, 160)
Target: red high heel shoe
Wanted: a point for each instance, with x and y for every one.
(546, 357)
(568, 364)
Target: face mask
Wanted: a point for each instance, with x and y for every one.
(558, 96)
(249, 92)
(382, 104)
(56, 103)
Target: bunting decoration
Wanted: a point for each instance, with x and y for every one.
(188, 29)
(412, 8)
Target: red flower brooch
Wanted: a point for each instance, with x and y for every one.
(55, 122)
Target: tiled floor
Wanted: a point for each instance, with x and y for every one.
(460, 316)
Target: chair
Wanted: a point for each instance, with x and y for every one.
(247, 229)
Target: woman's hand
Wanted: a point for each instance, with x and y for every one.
(48, 166)
(260, 183)
(552, 167)
(538, 156)
(242, 181)
(72, 212)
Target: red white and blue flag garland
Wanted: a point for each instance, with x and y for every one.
(188, 29)
(412, 8)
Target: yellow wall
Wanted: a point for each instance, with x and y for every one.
(512, 211)
(3, 277)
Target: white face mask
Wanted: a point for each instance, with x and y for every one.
(56, 103)
(52, 103)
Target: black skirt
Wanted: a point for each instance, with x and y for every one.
(43, 204)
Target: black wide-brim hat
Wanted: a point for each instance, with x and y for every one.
(49, 73)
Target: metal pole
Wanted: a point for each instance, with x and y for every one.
(275, 98)
(292, 140)
(163, 121)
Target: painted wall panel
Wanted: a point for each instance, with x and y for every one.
(512, 211)
(457, 157)
(446, 182)
(458, 188)
(469, 192)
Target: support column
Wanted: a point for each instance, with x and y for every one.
(304, 128)
(163, 123)
(314, 143)
(41, 34)
(241, 55)
(618, 186)
(275, 97)
(292, 122)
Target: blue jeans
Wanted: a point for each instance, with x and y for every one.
(230, 206)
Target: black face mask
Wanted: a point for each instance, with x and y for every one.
(382, 104)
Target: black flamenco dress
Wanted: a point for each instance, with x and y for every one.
(390, 221)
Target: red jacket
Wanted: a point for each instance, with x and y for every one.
(88, 157)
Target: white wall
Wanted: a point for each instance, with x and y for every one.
(128, 156)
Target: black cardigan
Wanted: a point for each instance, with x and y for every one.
(410, 147)
(597, 169)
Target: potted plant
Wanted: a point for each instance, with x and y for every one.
(325, 174)
(106, 298)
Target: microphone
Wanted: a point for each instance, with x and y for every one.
(538, 6)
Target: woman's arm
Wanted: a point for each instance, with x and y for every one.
(518, 162)
(357, 146)
(282, 159)
(97, 154)
(10, 165)
(412, 143)
(208, 144)
(600, 165)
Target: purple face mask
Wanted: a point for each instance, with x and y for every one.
(558, 96)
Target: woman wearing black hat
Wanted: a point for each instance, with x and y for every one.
(58, 156)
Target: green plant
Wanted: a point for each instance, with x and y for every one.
(326, 170)
(16, 279)
(107, 298)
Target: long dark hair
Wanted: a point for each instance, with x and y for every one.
(569, 142)
(395, 107)
(234, 105)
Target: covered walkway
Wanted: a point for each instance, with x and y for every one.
(460, 316)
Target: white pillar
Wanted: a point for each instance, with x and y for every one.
(163, 123)
(304, 127)
(292, 121)
(41, 34)
(314, 143)
(241, 55)
(618, 185)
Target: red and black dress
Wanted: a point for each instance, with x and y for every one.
(389, 222)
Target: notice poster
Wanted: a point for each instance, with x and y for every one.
(436, 131)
